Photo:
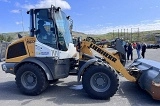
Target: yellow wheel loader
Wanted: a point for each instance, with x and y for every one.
(49, 54)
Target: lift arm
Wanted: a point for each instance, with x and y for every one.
(110, 58)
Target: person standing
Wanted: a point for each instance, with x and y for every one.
(134, 45)
(130, 51)
(126, 47)
(138, 48)
(143, 50)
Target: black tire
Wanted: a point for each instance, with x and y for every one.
(100, 82)
(31, 80)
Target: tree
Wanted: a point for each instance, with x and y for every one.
(6, 38)
(9, 39)
(2, 38)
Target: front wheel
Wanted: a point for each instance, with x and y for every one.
(100, 82)
(31, 80)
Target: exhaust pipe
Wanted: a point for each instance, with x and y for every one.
(148, 76)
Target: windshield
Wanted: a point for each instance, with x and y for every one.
(63, 25)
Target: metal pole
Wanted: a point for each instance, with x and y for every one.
(138, 35)
(124, 35)
(113, 34)
(22, 21)
(121, 32)
(118, 33)
(131, 34)
(127, 34)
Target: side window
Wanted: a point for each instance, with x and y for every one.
(45, 29)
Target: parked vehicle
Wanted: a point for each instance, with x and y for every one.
(152, 46)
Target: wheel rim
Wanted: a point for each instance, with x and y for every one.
(100, 82)
(29, 80)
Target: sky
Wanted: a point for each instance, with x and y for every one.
(89, 16)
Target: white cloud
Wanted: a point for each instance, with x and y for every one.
(15, 11)
(19, 23)
(146, 21)
(154, 25)
(47, 3)
(156, 21)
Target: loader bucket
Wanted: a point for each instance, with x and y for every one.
(149, 77)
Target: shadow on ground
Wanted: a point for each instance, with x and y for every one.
(135, 95)
(61, 93)
(58, 94)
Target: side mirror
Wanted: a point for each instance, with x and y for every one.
(19, 36)
(57, 9)
(68, 17)
(28, 12)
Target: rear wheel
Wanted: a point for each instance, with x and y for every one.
(31, 79)
(100, 82)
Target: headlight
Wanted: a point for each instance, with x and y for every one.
(4, 67)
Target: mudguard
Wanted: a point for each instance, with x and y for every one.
(37, 62)
(81, 70)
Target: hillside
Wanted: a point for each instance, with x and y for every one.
(79, 34)
(147, 36)
(15, 34)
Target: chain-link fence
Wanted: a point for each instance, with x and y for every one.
(134, 35)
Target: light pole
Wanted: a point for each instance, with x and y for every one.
(124, 35)
(118, 33)
(113, 34)
(22, 21)
(131, 35)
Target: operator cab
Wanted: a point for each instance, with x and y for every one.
(51, 27)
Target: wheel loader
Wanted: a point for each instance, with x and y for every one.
(49, 54)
